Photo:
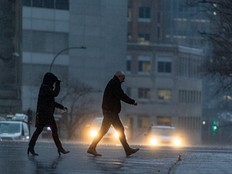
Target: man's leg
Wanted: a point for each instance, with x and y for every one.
(103, 130)
(122, 137)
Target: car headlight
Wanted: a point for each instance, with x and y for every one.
(153, 141)
(116, 134)
(177, 141)
(93, 133)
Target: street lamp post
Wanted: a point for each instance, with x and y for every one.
(61, 51)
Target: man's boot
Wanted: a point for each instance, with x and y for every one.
(92, 150)
(130, 151)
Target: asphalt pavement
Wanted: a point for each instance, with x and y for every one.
(14, 160)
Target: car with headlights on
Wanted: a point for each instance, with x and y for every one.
(160, 135)
(112, 136)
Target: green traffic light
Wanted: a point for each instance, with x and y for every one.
(214, 128)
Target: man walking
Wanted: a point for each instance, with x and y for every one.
(111, 107)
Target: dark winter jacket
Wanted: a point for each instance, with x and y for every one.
(113, 95)
(46, 100)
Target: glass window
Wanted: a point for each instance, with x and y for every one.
(164, 94)
(37, 3)
(164, 67)
(144, 38)
(144, 93)
(144, 12)
(129, 37)
(62, 4)
(49, 3)
(128, 65)
(144, 64)
(27, 3)
(129, 12)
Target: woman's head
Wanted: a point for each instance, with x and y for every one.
(49, 79)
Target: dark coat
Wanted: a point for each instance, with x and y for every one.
(46, 100)
(113, 95)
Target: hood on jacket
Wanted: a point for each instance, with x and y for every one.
(49, 79)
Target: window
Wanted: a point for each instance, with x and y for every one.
(144, 64)
(144, 93)
(164, 67)
(164, 120)
(190, 96)
(53, 4)
(143, 122)
(37, 3)
(144, 12)
(164, 94)
(49, 3)
(144, 38)
(129, 13)
(129, 37)
(27, 3)
(128, 64)
(62, 4)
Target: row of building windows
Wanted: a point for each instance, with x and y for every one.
(189, 96)
(192, 123)
(145, 66)
(186, 67)
(52, 4)
(187, 123)
(165, 94)
(189, 66)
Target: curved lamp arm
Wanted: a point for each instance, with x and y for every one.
(61, 51)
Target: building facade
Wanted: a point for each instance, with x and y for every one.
(52, 26)
(162, 69)
(10, 56)
(164, 55)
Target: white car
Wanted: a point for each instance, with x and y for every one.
(14, 131)
(163, 136)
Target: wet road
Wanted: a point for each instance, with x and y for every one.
(14, 160)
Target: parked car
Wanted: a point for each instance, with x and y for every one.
(14, 131)
(163, 136)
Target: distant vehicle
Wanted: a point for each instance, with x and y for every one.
(163, 136)
(47, 133)
(14, 131)
(112, 136)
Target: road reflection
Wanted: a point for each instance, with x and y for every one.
(45, 165)
(109, 165)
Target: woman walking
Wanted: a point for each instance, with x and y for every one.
(46, 105)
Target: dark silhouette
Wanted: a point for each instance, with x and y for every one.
(111, 107)
(46, 105)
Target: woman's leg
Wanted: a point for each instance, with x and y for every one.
(55, 135)
(35, 136)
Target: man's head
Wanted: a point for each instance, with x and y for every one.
(120, 75)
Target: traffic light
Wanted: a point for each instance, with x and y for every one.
(214, 127)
